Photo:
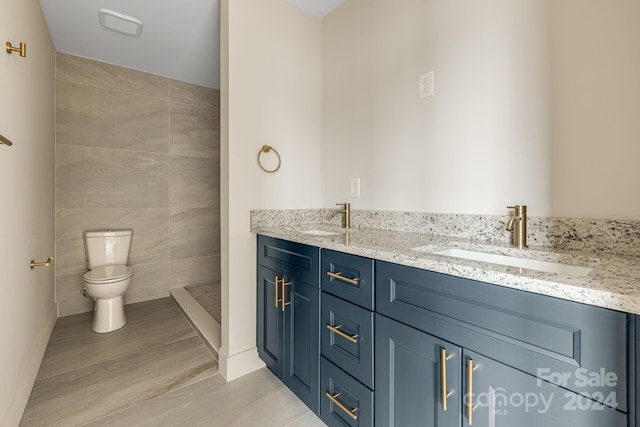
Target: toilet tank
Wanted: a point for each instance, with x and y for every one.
(107, 247)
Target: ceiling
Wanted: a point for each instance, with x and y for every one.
(180, 38)
(317, 8)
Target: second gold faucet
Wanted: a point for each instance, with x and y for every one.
(518, 224)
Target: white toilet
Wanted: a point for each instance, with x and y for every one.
(108, 277)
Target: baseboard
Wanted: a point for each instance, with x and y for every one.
(21, 395)
(207, 327)
(238, 365)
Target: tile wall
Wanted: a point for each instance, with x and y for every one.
(135, 150)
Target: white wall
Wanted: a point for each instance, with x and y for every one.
(515, 117)
(27, 309)
(270, 94)
(595, 94)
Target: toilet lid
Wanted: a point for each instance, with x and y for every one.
(109, 273)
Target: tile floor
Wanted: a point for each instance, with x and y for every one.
(154, 372)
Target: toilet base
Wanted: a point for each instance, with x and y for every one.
(109, 315)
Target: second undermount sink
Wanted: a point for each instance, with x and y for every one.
(531, 264)
(320, 232)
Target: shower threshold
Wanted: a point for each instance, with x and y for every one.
(207, 327)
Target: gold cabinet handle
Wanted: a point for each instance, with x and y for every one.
(443, 377)
(283, 295)
(470, 406)
(334, 399)
(336, 329)
(339, 276)
(46, 263)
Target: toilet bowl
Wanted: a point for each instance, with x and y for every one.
(108, 277)
(107, 286)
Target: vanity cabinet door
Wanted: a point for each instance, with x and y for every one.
(501, 396)
(302, 342)
(270, 327)
(410, 372)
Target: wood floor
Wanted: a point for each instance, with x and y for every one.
(153, 372)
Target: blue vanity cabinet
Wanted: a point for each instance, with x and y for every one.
(288, 324)
(371, 343)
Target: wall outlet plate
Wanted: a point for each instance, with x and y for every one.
(425, 84)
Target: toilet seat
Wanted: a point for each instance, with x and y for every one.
(108, 274)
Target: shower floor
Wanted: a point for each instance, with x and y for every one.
(208, 296)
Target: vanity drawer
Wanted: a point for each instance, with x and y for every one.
(541, 335)
(349, 277)
(347, 337)
(353, 398)
(293, 260)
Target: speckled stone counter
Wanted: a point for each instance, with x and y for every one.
(613, 283)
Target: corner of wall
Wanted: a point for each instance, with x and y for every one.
(238, 365)
(21, 394)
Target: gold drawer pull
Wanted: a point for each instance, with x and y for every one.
(470, 406)
(336, 329)
(339, 276)
(283, 295)
(443, 377)
(46, 263)
(334, 399)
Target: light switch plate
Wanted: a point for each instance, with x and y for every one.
(355, 187)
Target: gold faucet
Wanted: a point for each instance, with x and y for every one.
(346, 210)
(519, 220)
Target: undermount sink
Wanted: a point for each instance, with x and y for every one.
(320, 232)
(530, 264)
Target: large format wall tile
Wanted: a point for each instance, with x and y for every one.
(97, 117)
(195, 182)
(187, 93)
(150, 281)
(68, 297)
(195, 232)
(70, 68)
(195, 271)
(195, 131)
(150, 234)
(139, 151)
(91, 177)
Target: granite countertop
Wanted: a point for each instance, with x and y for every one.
(614, 281)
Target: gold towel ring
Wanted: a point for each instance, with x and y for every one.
(266, 149)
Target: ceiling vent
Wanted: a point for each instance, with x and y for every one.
(120, 23)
